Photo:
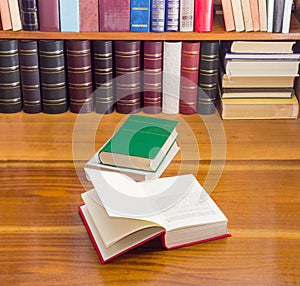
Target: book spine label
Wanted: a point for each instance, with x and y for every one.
(30, 77)
(10, 90)
(15, 15)
(103, 76)
(158, 16)
(69, 15)
(29, 15)
(208, 77)
(204, 15)
(153, 54)
(189, 77)
(52, 76)
(5, 15)
(172, 16)
(89, 15)
(128, 81)
(114, 16)
(186, 16)
(171, 77)
(140, 15)
(79, 66)
(48, 12)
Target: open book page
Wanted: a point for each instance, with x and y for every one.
(111, 229)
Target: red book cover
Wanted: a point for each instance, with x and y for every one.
(89, 15)
(189, 74)
(48, 12)
(204, 15)
(114, 15)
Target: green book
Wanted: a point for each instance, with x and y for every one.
(140, 143)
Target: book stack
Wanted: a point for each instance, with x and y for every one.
(120, 213)
(257, 80)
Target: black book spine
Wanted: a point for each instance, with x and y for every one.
(30, 76)
(53, 76)
(29, 15)
(10, 89)
(208, 77)
(103, 76)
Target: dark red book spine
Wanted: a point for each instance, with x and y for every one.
(128, 76)
(48, 12)
(89, 16)
(30, 76)
(189, 77)
(153, 53)
(114, 15)
(103, 76)
(79, 66)
(204, 15)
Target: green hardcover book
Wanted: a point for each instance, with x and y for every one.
(140, 143)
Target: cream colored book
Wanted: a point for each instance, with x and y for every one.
(247, 15)
(238, 15)
(263, 19)
(15, 15)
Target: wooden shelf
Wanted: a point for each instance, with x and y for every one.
(218, 33)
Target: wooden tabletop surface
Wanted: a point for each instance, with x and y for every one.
(251, 168)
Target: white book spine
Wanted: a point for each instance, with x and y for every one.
(270, 13)
(15, 15)
(287, 16)
(171, 77)
(247, 15)
(238, 15)
(262, 4)
(186, 20)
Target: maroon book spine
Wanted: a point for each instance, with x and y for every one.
(153, 52)
(114, 16)
(48, 12)
(128, 76)
(189, 75)
(89, 15)
(79, 64)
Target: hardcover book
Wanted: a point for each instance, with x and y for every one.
(255, 15)
(5, 15)
(158, 15)
(15, 15)
(53, 76)
(256, 92)
(228, 15)
(186, 16)
(103, 76)
(89, 15)
(30, 76)
(172, 16)
(48, 12)
(192, 218)
(278, 15)
(69, 15)
(153, 57)
(286, 19)
(204, 15)
(140, 143)
(270, 14)
(263, 18)
(114, 16)
(238, 15)
(140, 15)
(79, 70)
(247, 15)
(29, 15)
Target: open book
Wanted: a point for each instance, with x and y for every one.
(121, 214)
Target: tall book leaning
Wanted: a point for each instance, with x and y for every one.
(184, 216)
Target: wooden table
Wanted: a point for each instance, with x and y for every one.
(43, 240)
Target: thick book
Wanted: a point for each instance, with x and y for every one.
(278, 15)
(204, 15)
(260, 108)
(69, 15)
(158, 15)
(208, 77)
(114, 16)
(29, 15)
(257, 92)
(172, 16)
(48, 12)
(262, 56)
(190, 55)
(246, 9)
(228, 15)
(10, 87)
(153, 61)
(15, 15)
(185, 214)
(104, 98)
(30, 76)
(79, 71)
(171, 76)
(186, 16)
(140, 15)
(53, 76)
(140, 143)
(5, 15)
(128, 76)
(89, 15)
(238, 15)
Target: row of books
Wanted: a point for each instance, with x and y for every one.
(257, 15)
(258, 80)
(107, 15)
(127, 76)
(125, 209)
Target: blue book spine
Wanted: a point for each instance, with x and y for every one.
(172, 16)
(69, 15)
(29, 15)
(158, 15)
(139, 15)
